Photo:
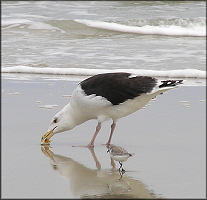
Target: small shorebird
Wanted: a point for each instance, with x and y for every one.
(106, 96)
(119, 154)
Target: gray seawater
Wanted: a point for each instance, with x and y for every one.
(44, 34)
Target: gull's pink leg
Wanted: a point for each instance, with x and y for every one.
(112, 130)
(91, 144)
(98, 128)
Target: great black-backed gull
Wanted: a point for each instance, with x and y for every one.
(106, 96)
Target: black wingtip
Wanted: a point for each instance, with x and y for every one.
(168, 83)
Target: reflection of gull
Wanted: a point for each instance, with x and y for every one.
(96, 183)
(119, 154)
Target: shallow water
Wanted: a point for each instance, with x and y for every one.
(168, 139)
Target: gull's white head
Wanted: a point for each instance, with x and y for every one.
(61, 122)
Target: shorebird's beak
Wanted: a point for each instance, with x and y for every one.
(46, 137)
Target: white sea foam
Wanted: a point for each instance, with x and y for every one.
(171, 30)
(48, 106)
(184, 73)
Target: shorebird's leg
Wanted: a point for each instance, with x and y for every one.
(120, 166)
(123, 170)
(112, 130)
(98, 128)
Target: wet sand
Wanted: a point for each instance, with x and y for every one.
(168, 138)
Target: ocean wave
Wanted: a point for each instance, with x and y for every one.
(170, 27)
(184, 73)
(14, 22)
(19, 23)
(44, 26)
(176, 27)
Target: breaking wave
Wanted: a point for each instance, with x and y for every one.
(184, 73)
(172, 27)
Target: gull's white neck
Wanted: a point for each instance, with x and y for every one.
(75, 114)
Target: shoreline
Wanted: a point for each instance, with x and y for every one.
(28, 76)
(176, 73)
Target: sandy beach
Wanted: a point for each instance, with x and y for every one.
(168, 139)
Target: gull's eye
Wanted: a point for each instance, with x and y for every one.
(55, 120)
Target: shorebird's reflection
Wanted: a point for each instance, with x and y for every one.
(96, 183)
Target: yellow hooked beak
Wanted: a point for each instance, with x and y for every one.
(46, 137)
